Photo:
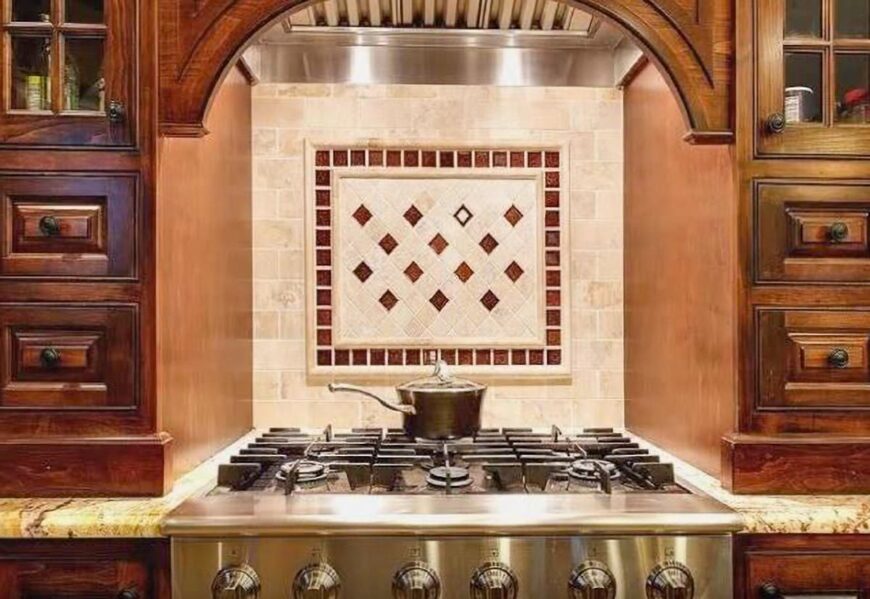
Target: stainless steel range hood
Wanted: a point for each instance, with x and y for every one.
(451, 42)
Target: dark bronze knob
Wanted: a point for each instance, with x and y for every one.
(838, 358)
(116, 112)
(236, 582)
(49, 357)
(670, 580)
(317, 581)
(128, 594)
(416, 581)
(591, 580)
(769, 591)
(776, 123)
(494, 580)
(838, 232)
(49, 225)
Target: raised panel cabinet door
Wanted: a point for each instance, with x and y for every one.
(812, 77)
(61, 359)
(808, 576)
(811, 232)
(813, 369)
(69, 226)
(69, 77)
(74, 579)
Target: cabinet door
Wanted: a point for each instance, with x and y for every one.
(813, 77)
(69, 72)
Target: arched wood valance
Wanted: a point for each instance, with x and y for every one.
(691, 41)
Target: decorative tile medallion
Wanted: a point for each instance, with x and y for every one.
(437, 252)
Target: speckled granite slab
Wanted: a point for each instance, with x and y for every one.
(83, 518)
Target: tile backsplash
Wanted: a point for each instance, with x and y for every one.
(434, 212)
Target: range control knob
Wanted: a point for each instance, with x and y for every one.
(592, 580)
(317, 581)
(670, 580)
(494, 580)
(236, 582)
(416, 580)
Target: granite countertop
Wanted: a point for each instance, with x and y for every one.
(95, 518)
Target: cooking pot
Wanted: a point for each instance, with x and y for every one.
(436, 407)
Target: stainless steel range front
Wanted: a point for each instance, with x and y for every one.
(510, 513)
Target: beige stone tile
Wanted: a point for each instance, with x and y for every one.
(546, 412)
(278, 355)
(611, 324)
(584, 265)
(264, 203)
(608, 145)
(582, 146)
(594, 115)
(598, 295)
(596, 235)
(292, 325)
(264, 142)
(278, 112)
(292, 264)
(303, 90)
(582, 204)
(599, 413)
(291, 201)
(610, 265)
(279, 234)
(596, 176)
(599, 354)
(266, 264)
(267, 385)
(611, 384)
(584, 323)
(279, 295)
(609, 205)
(276, 173)
(266, 324)
(334, 113)
(499, 412)
(308, 414)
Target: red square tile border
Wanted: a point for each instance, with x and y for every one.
(545, 161)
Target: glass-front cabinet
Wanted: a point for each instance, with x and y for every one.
(68, 73)
(813, 77)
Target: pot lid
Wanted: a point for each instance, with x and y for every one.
(441, 380)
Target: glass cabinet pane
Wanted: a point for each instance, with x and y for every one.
(853, 88)
(83, 83)
(31, 82)
(803, 18)
(803, 87)
(852, 19)
(31, 11)
(83, 11)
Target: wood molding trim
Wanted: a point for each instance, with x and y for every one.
(139, 466)
(796, 464)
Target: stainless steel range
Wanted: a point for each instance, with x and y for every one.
(510, 513)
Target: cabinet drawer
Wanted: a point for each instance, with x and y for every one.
(814, 359)
(68, 358)
(99, 579)
(809, 576)
(812, 233)
(69, 226)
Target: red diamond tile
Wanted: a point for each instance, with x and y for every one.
(438, 244)
(513, 215)
(362, 272)
(489, 300)
(388, 300)
(463, 272)
(412, 215)
(413, 272)
(514, 271)
(362, 215)
(388, 244)
(463, 215)
(488, 243)
(439, 300)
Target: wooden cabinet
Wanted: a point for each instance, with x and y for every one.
(69, 226)
(802, 567)
(85, 569)
(70, 72)
(812, 77)
(811, 232)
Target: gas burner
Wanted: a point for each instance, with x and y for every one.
(307, 472)
(588, 470)
(459, 477)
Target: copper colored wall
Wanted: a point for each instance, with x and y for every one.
(204, 280)
(680, 277)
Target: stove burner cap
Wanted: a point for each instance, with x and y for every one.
(587, 470)
(459, 477)
(306, 471)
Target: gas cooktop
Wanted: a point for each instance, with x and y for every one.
(495, 461)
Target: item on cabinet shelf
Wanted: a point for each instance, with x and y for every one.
(456, 518)
(796, 102)
(71, 85)
(436, 407)
(856, 107)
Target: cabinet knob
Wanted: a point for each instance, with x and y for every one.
(776, 123)
(49, 226)
(49, 357)
(769, 591)
(838, 358)
(116, 112)
(128, 594)
(838, 232)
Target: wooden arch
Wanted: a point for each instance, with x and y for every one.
(691, 41)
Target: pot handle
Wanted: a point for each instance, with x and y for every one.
(408, 410)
